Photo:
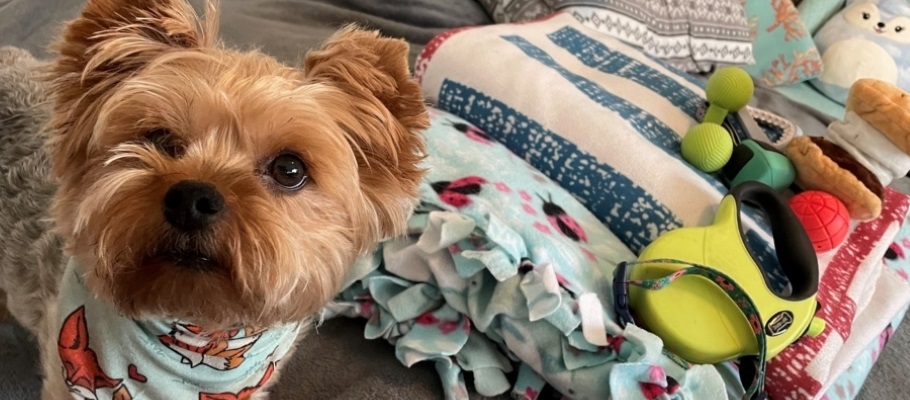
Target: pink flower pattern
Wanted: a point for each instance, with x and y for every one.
(447, 327)
(530, 394)
(524, 195)
(542, 228)
(589, 254)
(427, 319)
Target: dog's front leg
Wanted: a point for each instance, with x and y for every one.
(54, 387)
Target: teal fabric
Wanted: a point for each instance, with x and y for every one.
(806, 94)
(107, 355)
(783, 49)
(503, 269)
(815, 13)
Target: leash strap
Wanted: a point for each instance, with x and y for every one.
(755, 391)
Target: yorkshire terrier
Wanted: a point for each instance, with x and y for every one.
(193, 207)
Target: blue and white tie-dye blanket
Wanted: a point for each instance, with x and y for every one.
(504, 269)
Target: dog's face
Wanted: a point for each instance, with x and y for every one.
(222, 187)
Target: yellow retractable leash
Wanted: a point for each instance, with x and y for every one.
(702, 292)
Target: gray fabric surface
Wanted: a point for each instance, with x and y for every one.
(888, 379)
(811, 121)
(282, 28)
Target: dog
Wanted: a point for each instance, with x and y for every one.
(175, 212)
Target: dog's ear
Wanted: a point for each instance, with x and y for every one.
(363, 63)
(109, 41)
(388, 118)
(116, 37)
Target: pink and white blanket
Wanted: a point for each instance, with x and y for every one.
(859, 298)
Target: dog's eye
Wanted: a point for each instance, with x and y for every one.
(165, 142)
(898, 28)
(289, 171)
(866, 15)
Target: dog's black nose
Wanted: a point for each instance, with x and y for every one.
(881, 24)
(192, 205)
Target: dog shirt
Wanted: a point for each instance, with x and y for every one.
(107, 356)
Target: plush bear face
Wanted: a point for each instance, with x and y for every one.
(866, 16)
(867, 39)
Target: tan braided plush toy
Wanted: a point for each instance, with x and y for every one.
(860, 154)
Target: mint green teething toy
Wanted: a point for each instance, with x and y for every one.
(708, 146)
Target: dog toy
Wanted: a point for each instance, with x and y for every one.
(862, 153)
(756, 161)
(708, 146)
(823, 216)
(696, 316)
(865, 39)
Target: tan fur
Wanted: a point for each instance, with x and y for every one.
(125, 67)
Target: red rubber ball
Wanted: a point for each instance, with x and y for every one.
(824, 217)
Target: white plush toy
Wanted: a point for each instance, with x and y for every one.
(867, 39)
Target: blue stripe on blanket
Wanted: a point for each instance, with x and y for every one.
(646, 124)
(635, 216)
(700, 82)
(596, 55)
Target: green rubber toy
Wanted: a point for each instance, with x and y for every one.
(728, 91)
(708, 146)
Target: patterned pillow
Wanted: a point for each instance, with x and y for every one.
(783, 49)
(504, 11)
(693, 35)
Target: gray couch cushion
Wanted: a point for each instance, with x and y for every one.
(282, 28)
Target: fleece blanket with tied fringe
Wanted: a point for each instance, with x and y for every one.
(506, 276)
(605, 121)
